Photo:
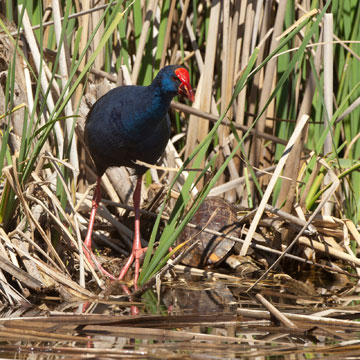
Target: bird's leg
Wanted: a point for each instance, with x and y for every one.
(137, 251)
(87, 242)
(95, 204)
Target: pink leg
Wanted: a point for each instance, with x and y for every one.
(137, 251)
(95, 204)
(87, 242)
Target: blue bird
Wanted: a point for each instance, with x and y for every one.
(128, 124)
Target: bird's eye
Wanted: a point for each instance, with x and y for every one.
(175, 78)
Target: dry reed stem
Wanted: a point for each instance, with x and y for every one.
(291, 169)
(244, 43)
(328, 93)
(76, 226)
(64, 73)
(275, 312)
(234, 184)
(84, 24)
(230, 27)
(94, 19)
(353, 231)
(18, 273)
(51, 276)
(329, 192)
(198, 128)
(294, 137)
(26, 238)
(12, 178)
(318, 320)
(336, 252)
(185, 8)
(223, 132)
(142, 41)
(169, 24)
(257, 152)
(30, 37)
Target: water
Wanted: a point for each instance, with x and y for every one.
(193, 317)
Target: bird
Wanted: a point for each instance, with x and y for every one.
(127, 124)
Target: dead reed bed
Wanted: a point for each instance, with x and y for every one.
(274, 130)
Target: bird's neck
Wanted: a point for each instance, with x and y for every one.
(157, 105)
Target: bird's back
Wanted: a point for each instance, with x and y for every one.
(127, 124)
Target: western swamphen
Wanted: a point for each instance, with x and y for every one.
(128, 124)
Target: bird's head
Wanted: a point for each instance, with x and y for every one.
(184, 87)
(175, 79)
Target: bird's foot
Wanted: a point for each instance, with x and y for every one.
(95, 264)
(134, 258)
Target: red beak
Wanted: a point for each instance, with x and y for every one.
(185, 87)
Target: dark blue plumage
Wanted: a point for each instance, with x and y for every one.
(128, 124)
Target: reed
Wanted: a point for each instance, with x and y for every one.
(260, 65)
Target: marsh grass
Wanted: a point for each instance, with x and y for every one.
(244, 68)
